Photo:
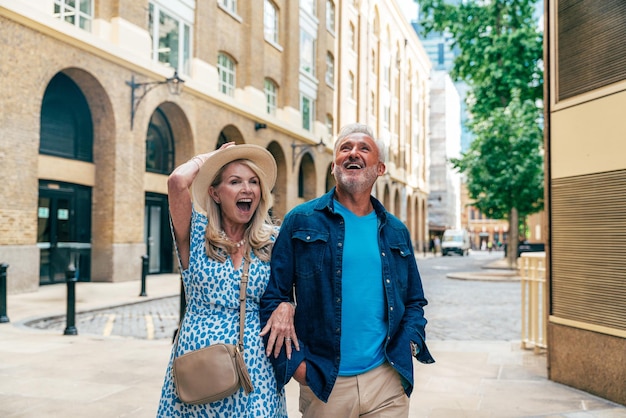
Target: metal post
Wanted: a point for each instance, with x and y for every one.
(183, 306)
(183, 300)
(3, 293)
(71, 279)
(144, 272)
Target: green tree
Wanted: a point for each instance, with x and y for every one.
(500, 51)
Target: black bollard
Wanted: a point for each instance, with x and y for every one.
(144, 273)
(183, 306)
(71, 279)
(3, 293)
(183, 300)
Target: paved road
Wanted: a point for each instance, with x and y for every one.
(469, 310)
(458, 309)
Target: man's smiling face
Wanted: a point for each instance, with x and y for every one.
(357, 163)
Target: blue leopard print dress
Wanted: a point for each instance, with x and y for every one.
(212, 294)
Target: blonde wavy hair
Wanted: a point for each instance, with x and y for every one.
(259, 231)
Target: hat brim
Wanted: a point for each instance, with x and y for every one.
(261, 157)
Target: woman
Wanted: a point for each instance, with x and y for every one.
(227, 221)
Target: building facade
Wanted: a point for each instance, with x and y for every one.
(585, 59)
(444, 200)
(93, 119)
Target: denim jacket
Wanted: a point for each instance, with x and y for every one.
(306, 266)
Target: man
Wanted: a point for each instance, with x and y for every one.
(348, 268)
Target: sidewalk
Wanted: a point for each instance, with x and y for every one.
(47, 374)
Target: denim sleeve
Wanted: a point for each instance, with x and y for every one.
(414, 311)
(280, 289)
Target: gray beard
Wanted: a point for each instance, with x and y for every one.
(360, 184)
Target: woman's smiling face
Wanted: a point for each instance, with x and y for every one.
(238, 194)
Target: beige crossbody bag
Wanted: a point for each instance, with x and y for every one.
(217, 371)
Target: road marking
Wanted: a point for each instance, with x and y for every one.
(149, 327)
(108, 327)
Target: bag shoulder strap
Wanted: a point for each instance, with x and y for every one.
(242, 306)
(243, 286)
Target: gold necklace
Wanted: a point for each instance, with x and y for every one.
(238, 244)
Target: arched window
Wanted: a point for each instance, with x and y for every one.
(66, 128)
(226, 71)
(271, 96)
(159, 145)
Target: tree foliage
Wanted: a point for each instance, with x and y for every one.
(504, 163)
(500, 51)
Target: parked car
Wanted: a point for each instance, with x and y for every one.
(529, 247)
(455, 241)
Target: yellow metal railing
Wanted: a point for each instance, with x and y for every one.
(532, 270)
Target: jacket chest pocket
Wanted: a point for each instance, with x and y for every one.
(399, 265)
(310, 247)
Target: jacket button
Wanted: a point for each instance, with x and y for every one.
(340, 244)
(383, 254)
(391, 308)
(308, 238)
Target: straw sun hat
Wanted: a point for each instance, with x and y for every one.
(261, 157)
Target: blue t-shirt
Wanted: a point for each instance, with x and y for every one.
(363, 325)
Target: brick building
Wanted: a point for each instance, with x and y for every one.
(92, 124)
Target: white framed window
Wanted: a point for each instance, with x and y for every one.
(374, 61)
(307, 108)
(270, 21)
(307, 52)
(309, 6)
(171, 38)
(373, 103)
(350, 85)
(386, 116)
(230, 5)
(226, 72)
(330, 69)
(330, 15)
(351, 35)
(77, 12)
(330, 124)
(271, 95)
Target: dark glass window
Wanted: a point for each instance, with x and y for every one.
(66, 127)
(159, 145)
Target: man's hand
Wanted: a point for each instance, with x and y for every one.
(281, 331)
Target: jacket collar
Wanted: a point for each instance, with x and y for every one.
(327, 202)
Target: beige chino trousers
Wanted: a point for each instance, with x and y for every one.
(375, 394)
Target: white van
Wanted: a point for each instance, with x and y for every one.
(455, 241)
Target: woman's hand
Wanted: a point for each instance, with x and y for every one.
(281, 331)
(200, 159)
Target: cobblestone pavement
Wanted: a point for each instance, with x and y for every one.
(469, 310)
(154, 319)
(457, 310)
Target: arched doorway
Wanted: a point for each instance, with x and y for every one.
(64, 209)
(160, 159)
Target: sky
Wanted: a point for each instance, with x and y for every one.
(409, 9)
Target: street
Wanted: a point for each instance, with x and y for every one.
(457, 310)
(468, 309)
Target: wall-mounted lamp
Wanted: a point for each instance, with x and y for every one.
(174, 84)
(258, 125)
(298, 149)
